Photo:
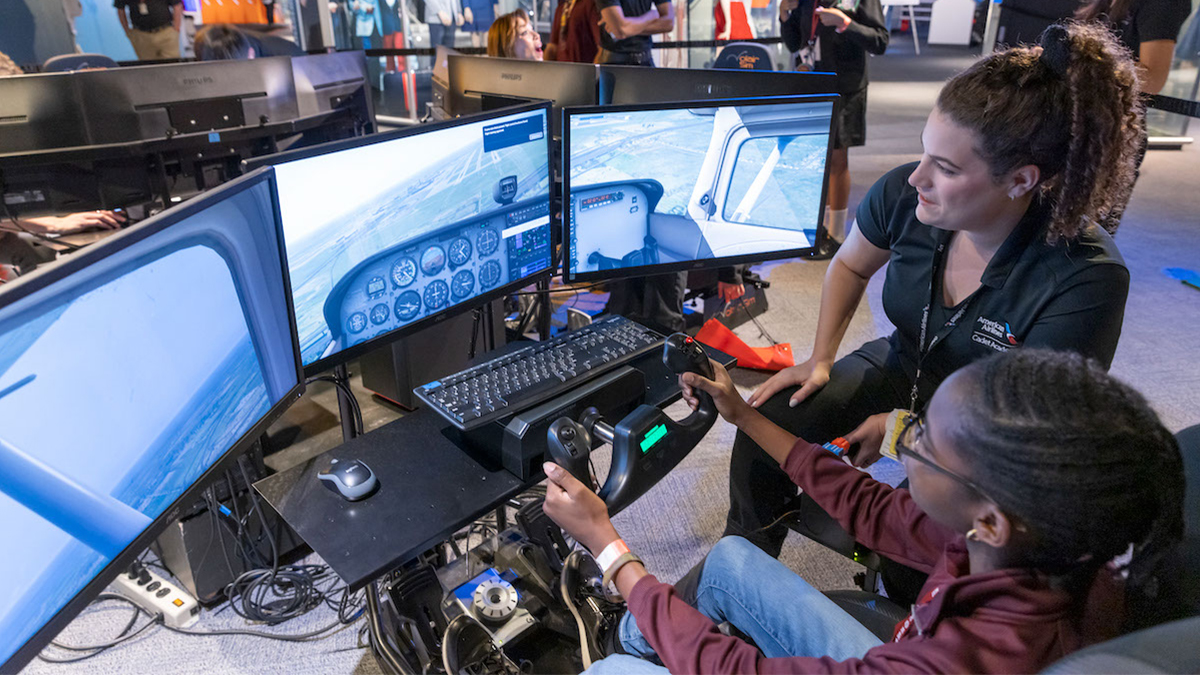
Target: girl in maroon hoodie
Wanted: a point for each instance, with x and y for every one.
(1030, 471)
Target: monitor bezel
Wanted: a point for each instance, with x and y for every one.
(355, 351)
(47, 276)
(571, 276)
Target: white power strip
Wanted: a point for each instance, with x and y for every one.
(156, 595)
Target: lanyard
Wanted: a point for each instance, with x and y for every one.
(947, 328)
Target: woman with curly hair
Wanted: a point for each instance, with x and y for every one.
(999, 237)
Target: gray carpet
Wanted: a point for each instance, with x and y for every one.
(673, 525)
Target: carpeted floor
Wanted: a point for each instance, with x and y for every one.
(673, 525)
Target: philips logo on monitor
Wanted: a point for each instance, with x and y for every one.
(516, 77)
(196, 81)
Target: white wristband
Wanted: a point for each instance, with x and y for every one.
(610, 554)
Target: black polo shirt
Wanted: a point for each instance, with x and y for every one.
(632, 9)
(1035, 294)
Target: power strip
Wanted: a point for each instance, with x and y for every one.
(156, 595)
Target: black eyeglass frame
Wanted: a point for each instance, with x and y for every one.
(903, 448)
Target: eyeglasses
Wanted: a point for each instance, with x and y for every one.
(914, 432)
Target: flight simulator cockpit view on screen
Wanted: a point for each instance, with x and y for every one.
(383, 235)
(694, 184)
(203, 351)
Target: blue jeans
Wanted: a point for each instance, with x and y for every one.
(765, 600)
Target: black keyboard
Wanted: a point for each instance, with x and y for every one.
(508, 384)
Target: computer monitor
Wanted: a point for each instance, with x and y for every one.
(130, 373)
(142, 103)
(39, 112)
(663, 187)
(335, 81)
(441, 75)
(621, 85)
(483, 82)
(388, 234)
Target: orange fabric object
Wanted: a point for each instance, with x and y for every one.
(716, 335)
(740, 29)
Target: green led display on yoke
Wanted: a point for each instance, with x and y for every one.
(653, 437)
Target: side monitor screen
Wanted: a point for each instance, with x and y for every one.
(383, 236)
(126, 373)
(664, 187)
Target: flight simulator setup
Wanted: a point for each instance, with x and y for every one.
(269, 265)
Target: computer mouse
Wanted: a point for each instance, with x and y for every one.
(350, 478)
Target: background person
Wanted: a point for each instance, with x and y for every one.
(1031, 472)
(1149, 28)
(152, 27)
(575, 32)
(836, 36)
(626, 27)
(226, 41)
(998, 238)
(512, 36)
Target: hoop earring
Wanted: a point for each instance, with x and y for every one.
(973, 534)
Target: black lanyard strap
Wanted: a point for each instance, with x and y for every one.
(923, 349)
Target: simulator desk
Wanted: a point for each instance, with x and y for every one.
(429, 487)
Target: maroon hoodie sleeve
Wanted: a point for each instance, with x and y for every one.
(688, 642)
(883, 518)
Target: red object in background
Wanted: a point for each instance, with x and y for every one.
(740, 29)
(716, 335)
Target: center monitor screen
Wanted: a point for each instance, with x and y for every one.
(664, 187)
(127, 371)
(385, 237)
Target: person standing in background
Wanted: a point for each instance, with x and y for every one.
(391, 27)
(1149, 28)
(152, 27)
(478, 16)
(626, 27)
(575, 32)
(836, 36)
(443, 16)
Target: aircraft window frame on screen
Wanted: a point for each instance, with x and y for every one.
(95, 521)
(703, 225)
(427, 243)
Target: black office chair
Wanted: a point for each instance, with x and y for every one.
(68, 62)
(744, 56)
(1164, 648)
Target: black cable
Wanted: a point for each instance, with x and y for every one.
(564, 289)
(123, 636)
(761, 329)
(345, 388)
(262, 520)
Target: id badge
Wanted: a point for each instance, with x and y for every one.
(895, 425)
(143, 9)
(846, 5)
(806, 58)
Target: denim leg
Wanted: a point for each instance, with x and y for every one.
(623, 664)
(768, 602)
(780, 611)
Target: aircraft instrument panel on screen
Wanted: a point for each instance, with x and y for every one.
(678, 185)
(384, 235)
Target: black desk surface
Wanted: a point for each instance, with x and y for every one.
(429, 488)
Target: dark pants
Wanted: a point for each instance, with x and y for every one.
(655, 302)
(870, 380)
(625, 58)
